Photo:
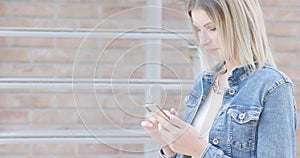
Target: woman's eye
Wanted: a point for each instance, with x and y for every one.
(198, 30)
(213, 29)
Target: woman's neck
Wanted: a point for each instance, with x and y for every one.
(231, 65)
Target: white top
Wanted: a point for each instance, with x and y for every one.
(201, 116)
(206, 114)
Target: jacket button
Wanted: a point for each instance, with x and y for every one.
(215, 141)
(231, 91)
(242, 116)
(186, 98)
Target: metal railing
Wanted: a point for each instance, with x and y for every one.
(69, 83)
(74, 136)
(142, 33)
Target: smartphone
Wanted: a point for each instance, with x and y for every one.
(156, 109)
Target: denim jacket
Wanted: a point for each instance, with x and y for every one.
(257, 118)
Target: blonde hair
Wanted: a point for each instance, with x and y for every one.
(241, 29)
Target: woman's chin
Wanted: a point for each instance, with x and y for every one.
(216, 57)
(215, 54)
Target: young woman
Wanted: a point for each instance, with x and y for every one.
(243, 108)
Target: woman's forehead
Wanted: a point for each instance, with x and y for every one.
(200, 18)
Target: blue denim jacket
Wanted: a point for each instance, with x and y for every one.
(257, 118)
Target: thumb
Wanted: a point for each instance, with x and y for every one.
(177, 121)
(173, 111)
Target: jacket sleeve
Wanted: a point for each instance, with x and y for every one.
(162, 154)
(277, 127)
(213, 152)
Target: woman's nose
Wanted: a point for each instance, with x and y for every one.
(204, 38)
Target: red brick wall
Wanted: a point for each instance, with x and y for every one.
(54, 109)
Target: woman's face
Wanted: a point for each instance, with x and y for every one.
(207, 33)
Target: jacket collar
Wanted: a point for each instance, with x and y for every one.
(240, 74)
(237, 75)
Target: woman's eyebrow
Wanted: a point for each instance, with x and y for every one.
(197, 25)
(207, 24)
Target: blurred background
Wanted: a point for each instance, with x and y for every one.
(74, 74)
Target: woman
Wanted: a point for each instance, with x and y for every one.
(245, 106)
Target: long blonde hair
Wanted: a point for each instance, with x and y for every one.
(241, 29)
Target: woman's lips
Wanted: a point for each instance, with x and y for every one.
(212, 50)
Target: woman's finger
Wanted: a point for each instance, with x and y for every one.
(146, 124)
(153, 120)
(166, 124)
(177, 121)
(165, 135)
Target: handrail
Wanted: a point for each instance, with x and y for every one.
(68, 83)
(74, 136)
(159, 33)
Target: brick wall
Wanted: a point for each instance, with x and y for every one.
(283, 27)
(54, 109)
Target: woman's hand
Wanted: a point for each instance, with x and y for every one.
(151, 126)
(181, 137)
